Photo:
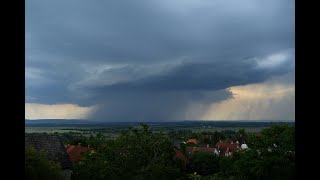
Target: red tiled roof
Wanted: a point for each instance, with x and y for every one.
(191, 150)
(70, 147)
(194, 141)
(181, 156)
(232, 147)
(77, 153)
(227, 147)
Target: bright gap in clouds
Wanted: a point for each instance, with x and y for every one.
(56, 111)
(264, 101)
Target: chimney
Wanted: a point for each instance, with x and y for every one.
(207, 145)
(231, 142)
(88, 146)
(79, 144)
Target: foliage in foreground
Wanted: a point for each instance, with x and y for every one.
(141, 154)
(38, 167)
(135, 154)
(271, 156)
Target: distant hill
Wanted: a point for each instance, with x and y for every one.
(77, 122)
(55, 121)
(60, 122)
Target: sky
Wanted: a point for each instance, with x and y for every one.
(152, 60)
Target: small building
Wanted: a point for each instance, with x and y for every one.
(54, 148)
(77, 152)
(194, 141)
(207, 149)
(179, 155)
(227, 148)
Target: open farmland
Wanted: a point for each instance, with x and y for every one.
(112, 129)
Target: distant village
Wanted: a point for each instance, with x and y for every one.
(222, 148)
(67, 155)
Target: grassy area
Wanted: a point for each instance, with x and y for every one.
(49, 130)
(248, 129)
(83, 131)
(112, 130)
(114, 133)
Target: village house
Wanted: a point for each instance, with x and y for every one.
(77, 152)
(179, 155)
(208, 149)
(226, 148)
(194, 141)
(54, 148)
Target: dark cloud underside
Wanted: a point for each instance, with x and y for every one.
(153, 59)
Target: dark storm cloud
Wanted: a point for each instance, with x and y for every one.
(135, 31)
(153, 106)
(152, 54)
(197, 76)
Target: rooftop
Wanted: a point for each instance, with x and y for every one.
(191, 150)
(53, 146)
(194, 141)
(77, 152)
(180, 155)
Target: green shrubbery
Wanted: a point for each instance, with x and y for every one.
(38, 167)
(141, 154)
(135, 154)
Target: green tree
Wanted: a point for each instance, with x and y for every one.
(183, 148)
(96, 142)
(193, 136)
(207, 141)
(242, 134)
(38, 167)
(204, 163)
(271, 156)
(217, 136)
(135, 154)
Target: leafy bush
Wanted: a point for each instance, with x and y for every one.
(135, 154)
(38, 167)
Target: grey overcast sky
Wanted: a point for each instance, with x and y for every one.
(160, 60)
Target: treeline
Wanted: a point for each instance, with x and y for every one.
(139, 153)
(136, 154)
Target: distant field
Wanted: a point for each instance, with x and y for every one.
(60, 130)
(48, 130)
(112, 130)
(111, 133)
(248, 129)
